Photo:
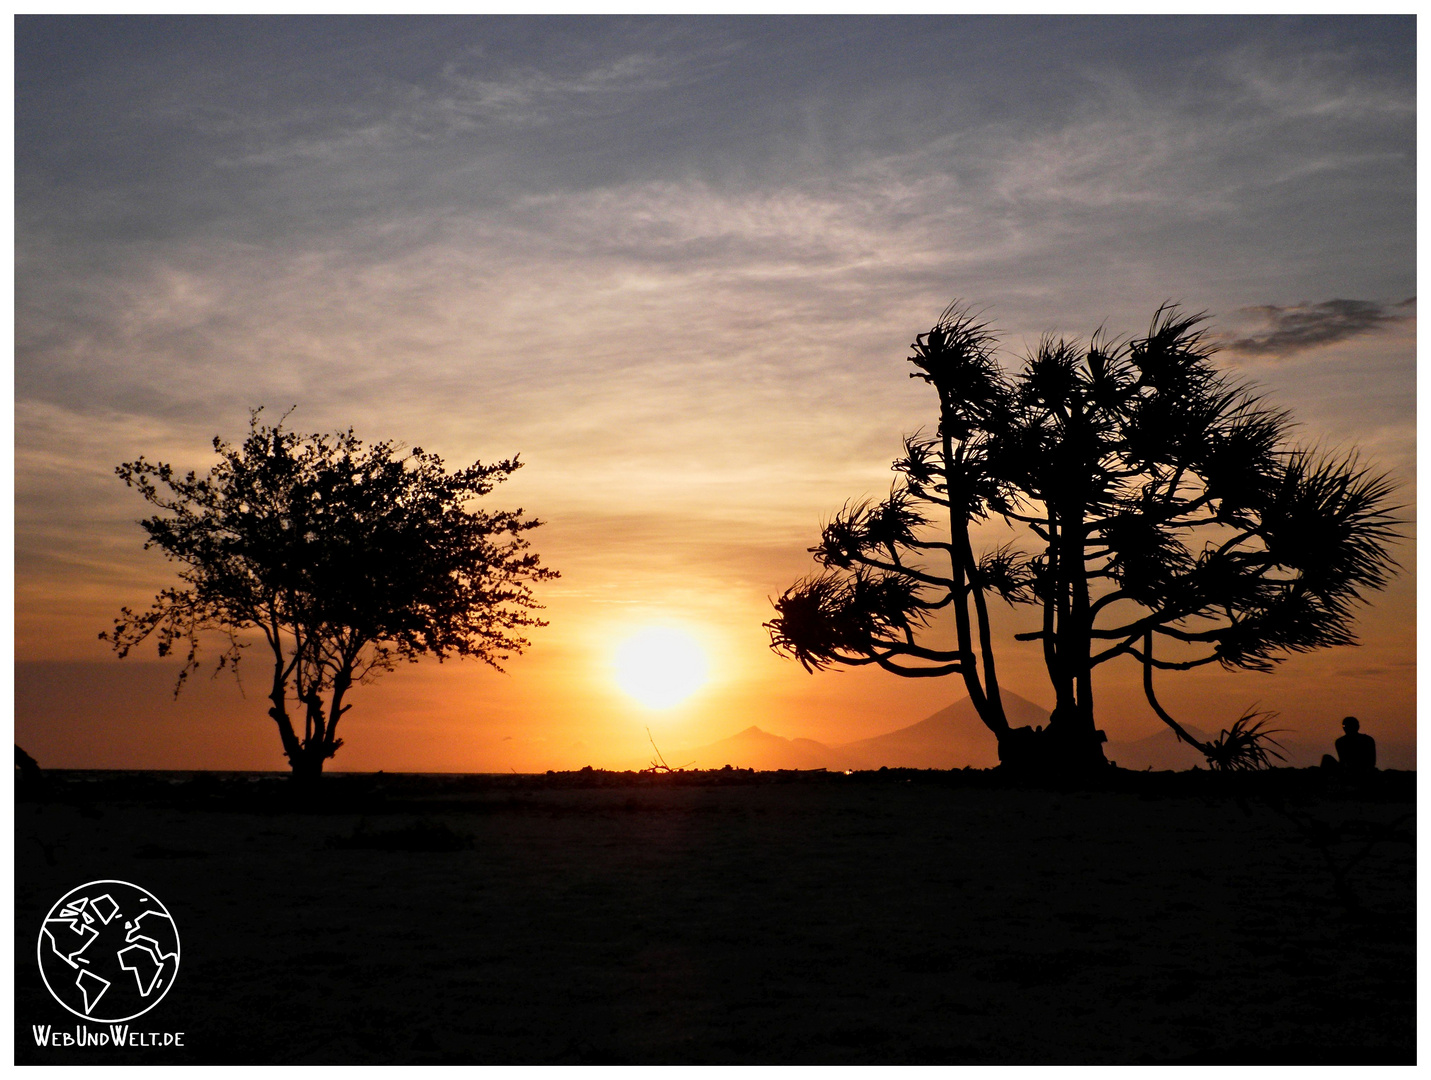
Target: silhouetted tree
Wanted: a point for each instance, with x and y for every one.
(341, 558)
(1174, 525)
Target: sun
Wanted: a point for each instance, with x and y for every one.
(660, 666)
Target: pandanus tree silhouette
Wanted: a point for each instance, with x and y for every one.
(1173, 525)
(339, 559)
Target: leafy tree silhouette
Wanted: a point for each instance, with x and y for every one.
(341, 558)
(1174, 525)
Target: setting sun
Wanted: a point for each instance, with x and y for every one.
(660, 666)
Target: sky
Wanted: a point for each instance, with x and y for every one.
(675, 264)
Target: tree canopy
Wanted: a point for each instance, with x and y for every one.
(1172, 523)
(341, 558)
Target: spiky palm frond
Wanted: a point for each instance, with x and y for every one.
(1050, 377)
(1146, 557)
(1330, 520)
(1246, 746)
(1109, 377)
(842, 540)
(865, 529)
(972, 486)
(892, 524)
(1178, 419)
(1294, 621)
(920, 463)
(1172, 359)
(834, 618)
(956, 357)
(1007, 572)
(1241, 458)
(1320, 541)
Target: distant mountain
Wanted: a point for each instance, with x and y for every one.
(950, 739)
(1159, 751)
(757, 749)
(1164, 750)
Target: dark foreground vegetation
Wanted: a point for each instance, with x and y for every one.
(733, 916)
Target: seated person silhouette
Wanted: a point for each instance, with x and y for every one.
(1356, 752)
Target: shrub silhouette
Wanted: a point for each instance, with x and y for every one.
(338, 558)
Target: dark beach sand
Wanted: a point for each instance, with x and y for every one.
(896, 917)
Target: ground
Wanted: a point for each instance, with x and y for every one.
(748, 918)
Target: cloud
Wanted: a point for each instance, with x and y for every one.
(1298, 327)
(392, 116)
(1318, 84)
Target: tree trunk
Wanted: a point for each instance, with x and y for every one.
(320, 742)
(278, 710)
(983, 693)
(307, 764)
(1068, 746)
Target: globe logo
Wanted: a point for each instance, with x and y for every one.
(108, 951)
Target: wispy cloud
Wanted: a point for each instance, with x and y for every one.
(1317, 85)
(534, 96)
(1298, 327)
(388, 115)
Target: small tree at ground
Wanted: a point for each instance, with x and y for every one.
(1173, 524)
(341, 559)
